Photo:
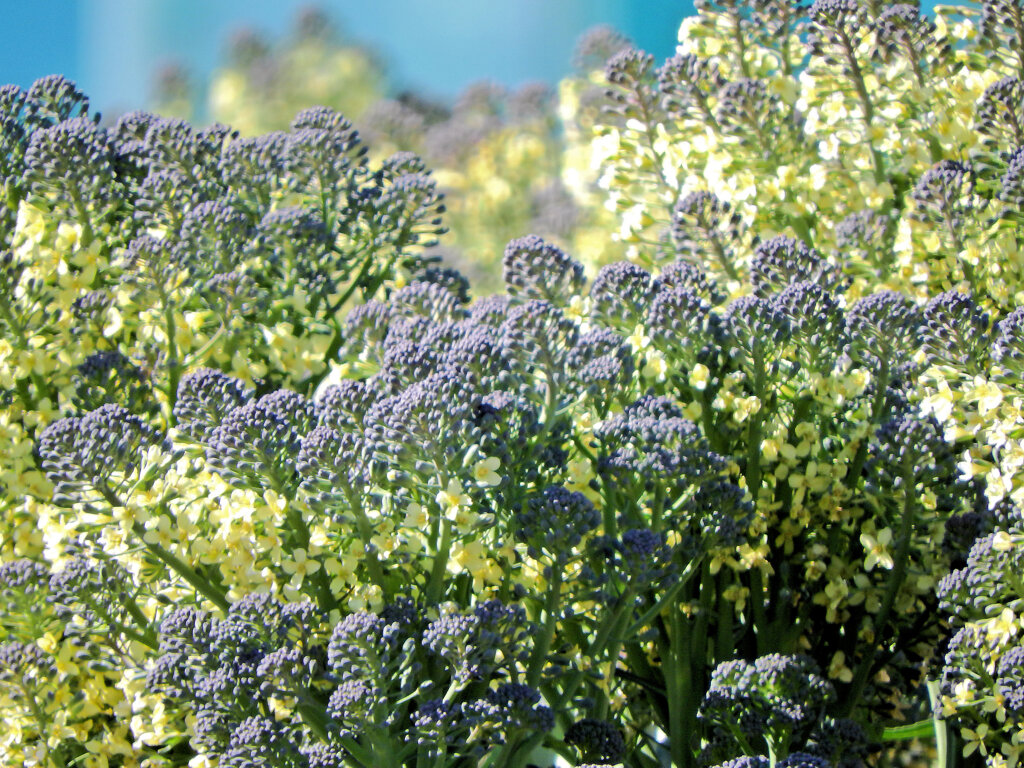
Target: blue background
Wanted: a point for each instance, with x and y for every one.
(113, 48)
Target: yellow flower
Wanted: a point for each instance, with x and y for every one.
(948, 706)
(416, 517)
(656, 366)
(578, 307)
(485, 471)
(693, 411)
(838, 670)
(877, 548)
(1003, 627)
(64, 665)
(300, 566)
(1002, 542)
(975, 739)
(751, 557)
(737, 594)
(699, 376)
(745, 407)
(472, 557)
(639, 340)
(342, 571)
(987, 395)
(159, 532)
(367, 597)
(452, 498)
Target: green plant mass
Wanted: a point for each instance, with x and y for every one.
(280, 490)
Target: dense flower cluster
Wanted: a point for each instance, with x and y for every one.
(776, 705)
(824, 122)
(269, 677)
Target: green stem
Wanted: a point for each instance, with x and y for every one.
(753, 469)
(614, 649)
(44, 723)
(1018, 28)
(724, 646)
(542, 645)
(865, 99)
(82, 212)
(147, 639)
(679, 689)
(723, 259)
(189, 574)
(441, 760)
(354, 285)
(659, 159)
(877, 402)
(741, 44)
(138, 615)
(669, 598)
(899, 572)
(323, 583)
(173, 369)
(437, 569)
(604, 634)
(958, 243)
(22, 344)
(758, 607)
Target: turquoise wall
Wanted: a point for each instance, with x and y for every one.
(114, 47)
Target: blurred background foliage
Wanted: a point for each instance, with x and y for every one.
(510, 160)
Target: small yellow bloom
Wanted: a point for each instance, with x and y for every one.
(699, 376)
(1002, 542)
(1003, 627)
(656, 367)
(877, 548)
(838, 670)
(416, 516)
(452, 498)
(975, 739)
(639, 340)
(47, 642)
(299, 567)
(485, 471)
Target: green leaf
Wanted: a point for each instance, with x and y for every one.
(923, 729)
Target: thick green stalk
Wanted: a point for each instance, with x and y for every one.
(876, 411)
(298, 523)
(173, 366)
(724, 645)
(436, 584)
(542, 645)
(753, 469)
(366, 534)
(865, 99)
(189, 574)
(896, 579)
(679, 688)
(616, 637)
(759, 611)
